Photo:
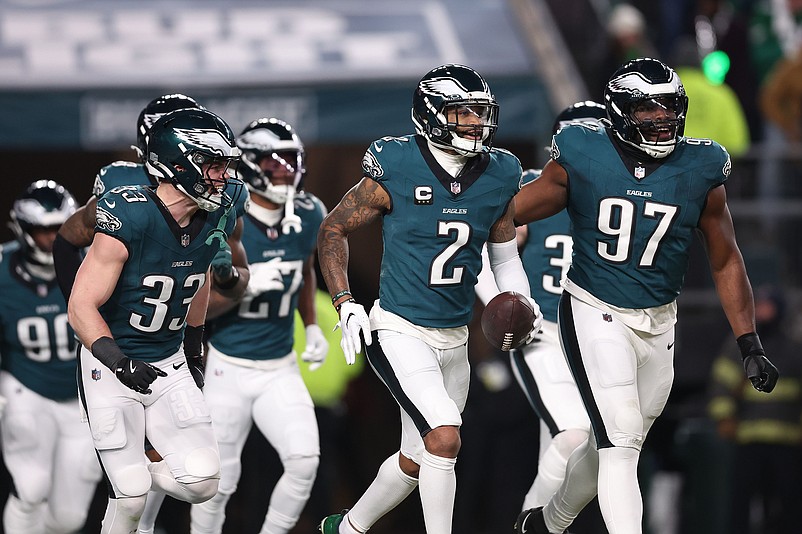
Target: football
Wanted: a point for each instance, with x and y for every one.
(507, 320)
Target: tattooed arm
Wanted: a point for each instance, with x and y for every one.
(363, 204)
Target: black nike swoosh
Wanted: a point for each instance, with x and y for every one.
(670, 345)
(178, 365)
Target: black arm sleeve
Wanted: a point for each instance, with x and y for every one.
(193, 341)
(66, 258)
(107, 352)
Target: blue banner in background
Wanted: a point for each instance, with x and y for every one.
(106, 120)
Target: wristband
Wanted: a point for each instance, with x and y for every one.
(750, 344)
(107, 352)
(193, 341)
(340, 295)
(231, 282)
(340, 305)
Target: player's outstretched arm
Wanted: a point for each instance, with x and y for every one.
(734, 289)
(544, 196)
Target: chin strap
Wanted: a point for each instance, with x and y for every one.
(291, 222)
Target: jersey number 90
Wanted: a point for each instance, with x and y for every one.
(34, 336)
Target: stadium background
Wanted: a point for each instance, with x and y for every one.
(74, 75)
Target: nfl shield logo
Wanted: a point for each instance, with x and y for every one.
(272, 233)
(96, 374)
(607, 317)
(185, 240)
(640, 172)
(456, 188)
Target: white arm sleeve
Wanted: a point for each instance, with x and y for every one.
(508, 270)
(486, 287)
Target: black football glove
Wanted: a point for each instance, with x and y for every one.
(760, 371)
(197, 368)
(134, 374)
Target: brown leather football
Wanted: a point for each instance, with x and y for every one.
(507, 320)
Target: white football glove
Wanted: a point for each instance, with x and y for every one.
(265, 277)
(353, 320)
(536, 324)
(316, 347)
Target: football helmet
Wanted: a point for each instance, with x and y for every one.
(651, 84)
(462, 91)
(586, 112)
(44, 204)
(153, 111)
(271, 140)
(184, 146)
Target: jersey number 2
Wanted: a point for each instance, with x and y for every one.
(441, 263)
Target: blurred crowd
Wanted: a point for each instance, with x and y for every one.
(740, 62)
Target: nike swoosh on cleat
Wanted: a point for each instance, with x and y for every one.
(177, 365)
(670, 345)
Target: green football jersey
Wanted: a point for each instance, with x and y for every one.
(166, 266)
(633, 227)
(37, 344)
(436, 227)
(261, 326)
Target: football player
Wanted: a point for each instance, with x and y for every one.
(230, 266)
(47, 448)
(252, 374)
(138, 307)
(441, 194)
(636, 192)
